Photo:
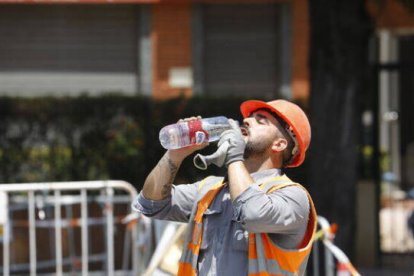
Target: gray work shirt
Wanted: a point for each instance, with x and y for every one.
(283, 213)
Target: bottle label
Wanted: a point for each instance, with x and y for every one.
(195, 132)
(200, 137)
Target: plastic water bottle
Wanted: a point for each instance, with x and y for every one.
(183, 134)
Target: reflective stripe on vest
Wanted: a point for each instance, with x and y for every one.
(208, 189)
(266, 258)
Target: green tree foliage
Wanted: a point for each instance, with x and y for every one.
(89, 138)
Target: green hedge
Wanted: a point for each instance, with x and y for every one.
(90, 138)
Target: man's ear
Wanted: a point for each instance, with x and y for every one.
(279, 145)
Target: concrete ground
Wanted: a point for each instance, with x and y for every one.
(385, 272)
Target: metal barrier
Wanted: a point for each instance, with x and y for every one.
(138, 233)
(107, 197)
(325, 235)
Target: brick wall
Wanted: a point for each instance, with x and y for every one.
(300, 52)
(391, 15)
(171, 40)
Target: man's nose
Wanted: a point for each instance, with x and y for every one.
(246, 121)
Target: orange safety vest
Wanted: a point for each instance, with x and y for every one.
(265, 257)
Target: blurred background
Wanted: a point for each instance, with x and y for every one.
(86, 85)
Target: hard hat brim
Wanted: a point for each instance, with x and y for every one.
(248, 107)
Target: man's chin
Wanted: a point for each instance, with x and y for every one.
(247, 151)
(255, 150)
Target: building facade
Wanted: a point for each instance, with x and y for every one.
(158, 48)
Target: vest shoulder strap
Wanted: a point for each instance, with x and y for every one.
(283, 181)
(276, 183)
(206, 184)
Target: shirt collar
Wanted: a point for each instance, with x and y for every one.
(258, 176)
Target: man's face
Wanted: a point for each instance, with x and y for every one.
(260, 130)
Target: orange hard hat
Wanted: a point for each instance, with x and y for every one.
(295, 118)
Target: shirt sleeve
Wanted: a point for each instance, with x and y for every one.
(284, 211)
(176, 207)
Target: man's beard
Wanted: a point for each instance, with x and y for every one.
(255, 149)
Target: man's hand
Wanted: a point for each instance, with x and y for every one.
(158, 183)
(239, 177)
(178, 155)
(236, 142)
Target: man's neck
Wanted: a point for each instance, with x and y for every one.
(257, 164)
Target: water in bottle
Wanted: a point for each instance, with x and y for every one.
(183, 134)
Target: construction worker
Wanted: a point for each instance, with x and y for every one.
(254, 221)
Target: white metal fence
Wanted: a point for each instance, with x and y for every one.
(35, 197)
(139, 238)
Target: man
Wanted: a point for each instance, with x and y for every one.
(255, 221)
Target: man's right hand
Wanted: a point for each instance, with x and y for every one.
(158, 183)
(178, 155)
